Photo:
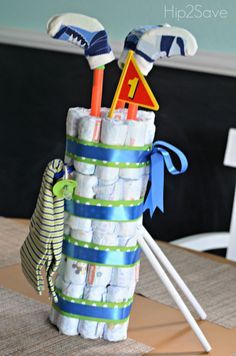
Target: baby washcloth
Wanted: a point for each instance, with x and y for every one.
(43, 245)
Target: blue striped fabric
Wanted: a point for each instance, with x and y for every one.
(43, 245)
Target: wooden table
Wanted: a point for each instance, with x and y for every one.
(152, 323)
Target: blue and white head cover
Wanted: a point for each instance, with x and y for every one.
(153, 42)
(86, 32)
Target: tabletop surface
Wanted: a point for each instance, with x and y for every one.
(155, 324)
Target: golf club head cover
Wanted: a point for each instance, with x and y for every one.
(153, 42)
(85, 32)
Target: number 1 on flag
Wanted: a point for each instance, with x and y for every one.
(133, 87)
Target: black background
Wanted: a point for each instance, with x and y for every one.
(196, 112)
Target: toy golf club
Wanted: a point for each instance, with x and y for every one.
(87, 33)
(150, 43)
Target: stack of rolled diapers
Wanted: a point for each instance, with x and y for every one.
(100, 263)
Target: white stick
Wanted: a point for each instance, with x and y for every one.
(174, 274)
(173, 292)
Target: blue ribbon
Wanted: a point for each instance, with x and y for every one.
(90, 255)
(160, 158)
(106, 154)
(93, 311)
(115, 213)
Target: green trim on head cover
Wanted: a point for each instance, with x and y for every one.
(75, 316)
(99, 247)
(111, 203)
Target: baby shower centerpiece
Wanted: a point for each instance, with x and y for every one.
(87, 224)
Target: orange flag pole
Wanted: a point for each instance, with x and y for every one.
(120, 104)
(132, 112)
(96, 99)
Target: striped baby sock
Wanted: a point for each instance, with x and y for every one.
(87, 33)
(43, 244)
(153, 42)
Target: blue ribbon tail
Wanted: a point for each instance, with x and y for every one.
(155, 195)
(159, 158)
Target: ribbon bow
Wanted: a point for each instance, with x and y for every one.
(159, 157)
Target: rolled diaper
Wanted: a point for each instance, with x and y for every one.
(67, 325)
(148, 118)
(146, 170)
(107, 175)
(77, 279)
(92, 329)
(128, 241)
(73, 116)
(107, 239)
(86, 185)
(78, 223)
(75, 271)
(113, 331)
(120, 114)
(104, 112)
(84, 168)
(113, 131)
(123, 277)
(127, 229)
(66, 217)
(67, 229)
(97, 294)
(89, 128)
(116, 332)
(82, 235)
(59, 281)
(150, 133)
(131, 288)
(110, 191)
(132, 173)
(72, 290)
(132, 189)
(135, 133)
(117, 294)
(60, 270)
(145, 179)
(98, 275)
(105, 226)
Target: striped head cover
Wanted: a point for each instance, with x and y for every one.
(151, 43)
(43, 245)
